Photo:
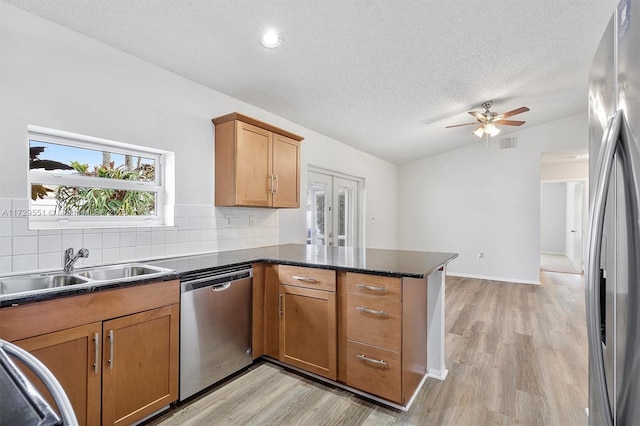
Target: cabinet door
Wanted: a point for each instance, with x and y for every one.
(140, 367)
(271, 312)
(308, 329)
(72, 356)
(286, 169)
(253, 165)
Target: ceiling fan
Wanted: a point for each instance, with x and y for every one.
(488, 120)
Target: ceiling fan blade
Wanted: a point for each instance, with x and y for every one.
(514, 112)
(477, 115)
(458, 125)
(510, 122)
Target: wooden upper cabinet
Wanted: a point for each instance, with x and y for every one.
(253, 166)
(286, 169)
(256, 164)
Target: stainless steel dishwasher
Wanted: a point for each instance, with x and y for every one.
(215, 326)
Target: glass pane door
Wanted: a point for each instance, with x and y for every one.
(318, 215)
(345, 192)
(332, 210)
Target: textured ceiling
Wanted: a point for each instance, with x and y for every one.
(385, 77)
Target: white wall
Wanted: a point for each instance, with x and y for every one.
(578, 170)
(553, 217)
(56, 78)
(478, 199)
(380, 188)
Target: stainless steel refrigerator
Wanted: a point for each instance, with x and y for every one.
(613, 263)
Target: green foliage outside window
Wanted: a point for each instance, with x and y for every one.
(84, 201)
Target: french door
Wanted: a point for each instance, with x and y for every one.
(332, 210)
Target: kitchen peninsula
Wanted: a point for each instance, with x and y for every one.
(389, 302)
(375, 322)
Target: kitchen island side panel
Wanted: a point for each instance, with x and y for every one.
(435, 324)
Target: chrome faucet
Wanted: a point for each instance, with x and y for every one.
(70, 258)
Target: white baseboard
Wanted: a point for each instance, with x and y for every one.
(415, 394)
(438, 374)
(485, 277)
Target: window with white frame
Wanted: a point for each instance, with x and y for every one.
(82, 181)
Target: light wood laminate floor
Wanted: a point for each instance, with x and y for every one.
(516, 354)
(557, 263)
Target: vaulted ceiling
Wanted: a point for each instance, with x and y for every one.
(384, 76)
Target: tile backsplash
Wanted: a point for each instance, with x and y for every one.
(198, 229)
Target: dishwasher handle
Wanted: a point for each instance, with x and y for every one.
(213, 280)
(221, 287)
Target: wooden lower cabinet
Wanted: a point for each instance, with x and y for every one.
(73, 356)
(140, 367)
(116, 364)
(374, 322)
(385, 342)
(365, 331)
(298, 317)
(374, 370)
(308, 330)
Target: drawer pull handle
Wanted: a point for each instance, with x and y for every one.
(305, 279)
(378, 362)
(376, 288)
(364, 310)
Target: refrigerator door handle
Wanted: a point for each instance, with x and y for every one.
(617, 139)
(604, 166)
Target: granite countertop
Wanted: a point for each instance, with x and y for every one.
(395, 263)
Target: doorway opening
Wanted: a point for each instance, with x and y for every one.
(563, 211)
(334, 209)
(561, 227)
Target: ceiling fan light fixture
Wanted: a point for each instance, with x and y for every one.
(479, 131)
(491, 129)
(272, 39)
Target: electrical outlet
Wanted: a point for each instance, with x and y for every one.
(480, 256)
(252, 221)
(228, 221)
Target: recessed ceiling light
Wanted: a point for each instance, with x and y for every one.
(272, 39)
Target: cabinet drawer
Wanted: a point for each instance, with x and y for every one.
(374, 370)
(320, 279)
(374, 322)
(388, 288)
